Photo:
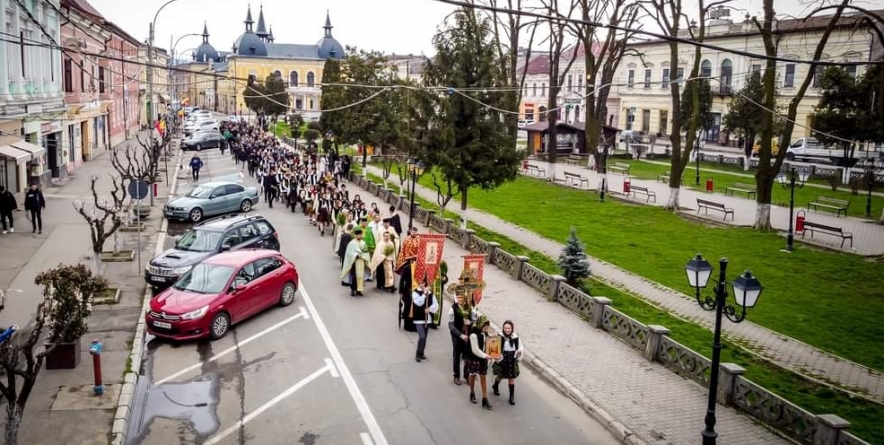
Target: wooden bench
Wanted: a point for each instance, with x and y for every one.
(831, 230)
(748, 189)
(575, 160)
(620, 167)
(666, 176)
(707, 205)
(636, 189)
(840, 205)
(576, 179)
(535, 170)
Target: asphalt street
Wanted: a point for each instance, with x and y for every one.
(330, 369)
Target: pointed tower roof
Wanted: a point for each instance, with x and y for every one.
(206, 52)
(261, 31)
(328, 26)
(270, 37)
(328, 46)
(205, 32)
(249, 20)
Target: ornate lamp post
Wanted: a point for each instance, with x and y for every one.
(747, 290)
(415, 169)
(796, 179)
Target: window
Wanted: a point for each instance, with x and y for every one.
(293, 79)
(706, 69)
(570, 82)
(664, 121)
(82, 78)
(22, 50)
(679, 75)
(277, 74)
(219, 192)
(248, 232)
(646, 121)
(233, 189)
(579, 84)
(263, 227)
(92, 80)
(647, 78)
(756, 68)
(299, 104)
(851, 71)
(665, 83)
(534, 89)
(789, 81)
(101, 80)
(68, 76)
(543, 90)
(265, 266)
(231, 239)
(727, 69)
(630, 80)
(310, 79)
(817, 77)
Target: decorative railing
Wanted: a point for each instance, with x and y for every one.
(576, 300)
(457, 234)
(437, 223)
(826, 172)
(372, 188)
(505, 261)
(683, 360)
(420, 214)
(846, 438)
(797, 423)
(706, 157)
(625, 327)
(536, 278)
(478, 245)
(731, 160)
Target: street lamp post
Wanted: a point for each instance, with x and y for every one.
(795, 180)
(415, 169)
(150, 41)
(747, 290)
(698, 157)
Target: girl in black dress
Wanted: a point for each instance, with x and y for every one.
(476, 360)
(508, 367)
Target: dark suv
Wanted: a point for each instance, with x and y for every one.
(232, 232)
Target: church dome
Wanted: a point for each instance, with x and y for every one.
(206, 52)
(249, 43)
(329, 47)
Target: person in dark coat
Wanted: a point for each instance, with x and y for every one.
(35, 203)
(8, 204)
(395, 221)
(346, 237)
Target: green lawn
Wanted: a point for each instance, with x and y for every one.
(648, 170)
(281, 129)
(819, 399)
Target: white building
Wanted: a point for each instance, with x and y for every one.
(645, 101)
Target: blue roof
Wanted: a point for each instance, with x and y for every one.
(293, 51)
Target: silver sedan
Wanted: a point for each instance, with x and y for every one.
(212, 198)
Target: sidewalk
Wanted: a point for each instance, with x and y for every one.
(639, 401)
(62, 404)
(784, 351)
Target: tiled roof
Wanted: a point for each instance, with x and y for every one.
(82, 6)
(293, 51)
(538, 65)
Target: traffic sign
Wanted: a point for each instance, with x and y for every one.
(138, 189)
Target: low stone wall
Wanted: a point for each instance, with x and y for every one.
(652, 341)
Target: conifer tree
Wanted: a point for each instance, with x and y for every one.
(573, 261)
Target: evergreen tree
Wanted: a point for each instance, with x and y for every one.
(744, 114)
(705, 104)
(573, 261)
(333, 96)
(277, 100)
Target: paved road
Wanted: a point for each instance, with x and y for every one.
(331, 369)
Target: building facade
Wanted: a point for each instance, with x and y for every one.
(31, 96)
(123, 113)
(155, 65)
(643, 83)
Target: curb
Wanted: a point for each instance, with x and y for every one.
(127, 394)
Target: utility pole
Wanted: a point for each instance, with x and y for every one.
(150, 108)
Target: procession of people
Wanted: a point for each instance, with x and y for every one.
(372, 247)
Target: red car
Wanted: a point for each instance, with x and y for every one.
(221, 291)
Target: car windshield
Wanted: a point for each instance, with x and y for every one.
(205, 279)
(201, 192)
(199, 241)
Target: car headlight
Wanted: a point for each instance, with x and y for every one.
(181, 270)
(199, 313)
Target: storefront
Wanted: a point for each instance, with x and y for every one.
(13, 161)
(51, 140)
(38, 171)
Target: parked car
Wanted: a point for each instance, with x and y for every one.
(525, 122)
(220, 292)
(206, 240)
(633, 136)
(202, 139)
(203, 125)
(211, 198)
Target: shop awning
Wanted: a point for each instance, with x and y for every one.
(13, 153)
(164, 98)
(35, 150)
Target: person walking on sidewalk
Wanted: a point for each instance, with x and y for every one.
(34, 205)
(195, 165)
(459, 327)
(425, 305)
(508, 366)
(476, 360)
(8, 205)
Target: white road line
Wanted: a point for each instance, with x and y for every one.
(373, 428)
(366, 439)
(303, 314)
(331, 365)
(219, 437)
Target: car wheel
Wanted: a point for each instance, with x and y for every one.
(196, 214)
(245, 206)
(220, 325)
(287, 294)
(790, 156)
(199, 147)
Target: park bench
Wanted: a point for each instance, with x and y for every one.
(576, 179)
(707, 205)
(636, 189)
(831, 230)
(840, 205)
(574, 159)
(666, 176)
(620, 167)
(748, 189)
(535, 170)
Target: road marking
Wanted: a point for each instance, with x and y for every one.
(366, 439)
(294, 388)
(373, 428)
(331, 365)
(302, 314)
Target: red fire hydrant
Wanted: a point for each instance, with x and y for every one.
(626, 185)
(709, 185)
(799, 221)
(95, 350)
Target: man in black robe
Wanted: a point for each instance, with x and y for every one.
(346, 237)
(395, 221)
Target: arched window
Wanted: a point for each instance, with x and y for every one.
(577, 113)
(727, 71)
(706, 69)
(293, 78)
(542, 113)
(277, 74)
(310, 78)
(534, 90)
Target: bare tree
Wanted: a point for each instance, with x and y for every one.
(559, 31)
(604, 52)
(141, 164)
(388, 160)
(105, 216)
(445, 192)
(768, 164)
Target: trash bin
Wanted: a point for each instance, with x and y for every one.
(709, 185)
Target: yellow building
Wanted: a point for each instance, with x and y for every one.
(218, 80)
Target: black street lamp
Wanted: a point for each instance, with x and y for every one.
(747, 290)
(415, 168)
(796, 179)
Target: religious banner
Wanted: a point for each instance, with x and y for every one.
(475, 264)
(493, 347)
(429, 257)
